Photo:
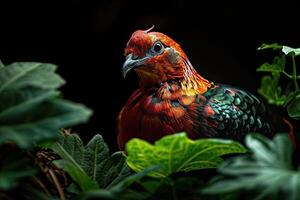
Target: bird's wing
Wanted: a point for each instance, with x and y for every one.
(234, 111)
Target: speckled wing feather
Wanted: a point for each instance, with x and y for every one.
(235, 112)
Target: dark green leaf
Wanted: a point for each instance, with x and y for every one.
(293, 107)
(70, 149)
(78, 175)
(270, 89)
(90, 166)
(291, 97)
(118, 190)
(42, 122)
(291, 51)
(278, 65)
(273, 46)
(29, 74)
(14, 167)
(177, 153)
(30, 110)
(265, 174)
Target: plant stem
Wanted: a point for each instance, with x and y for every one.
(288, 75)
(295, 74)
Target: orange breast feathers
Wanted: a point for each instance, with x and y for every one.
(153, 113)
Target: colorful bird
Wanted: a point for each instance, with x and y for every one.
(172, 97)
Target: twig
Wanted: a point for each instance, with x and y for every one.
(36, 180)
(57, 185)
(288, 75)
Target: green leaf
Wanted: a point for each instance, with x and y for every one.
(273, 46)
(177, 153)
(291, 97)
(40, 123)
(30, 108)
(278, 65)
(117, 191)
(271, 91)
(77, 174)
(29, 74)
(293, 107)
(267, 173)
(70, 149)
(13, 168)
(90, 166)
(290, 51)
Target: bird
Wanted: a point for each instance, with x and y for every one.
(173, 97)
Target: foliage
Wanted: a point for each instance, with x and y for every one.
(267, 173)
(271, 89)
(100, 176)
(31, 110)
(177, 153)
(90, 166)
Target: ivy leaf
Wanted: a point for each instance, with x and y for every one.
(13, 168)
(278, 65)
(30, 108)
(293, 107)
(273, 46)
(177, 153)
(90, 166)
(270, 89)
(290, 51)
(267, 173)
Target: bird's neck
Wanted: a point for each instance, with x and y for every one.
(192, 82)
(191, 85)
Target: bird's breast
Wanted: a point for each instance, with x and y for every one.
(150, 116)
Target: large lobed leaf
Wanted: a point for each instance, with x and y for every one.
(90, 166)
(265, 174)
(177, 153)
(30, 108)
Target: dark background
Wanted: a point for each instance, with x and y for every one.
(86, 40)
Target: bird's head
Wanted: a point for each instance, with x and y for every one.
(157, 58)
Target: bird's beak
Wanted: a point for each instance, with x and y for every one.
(131, 63)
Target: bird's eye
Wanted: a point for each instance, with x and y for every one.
(157, 47)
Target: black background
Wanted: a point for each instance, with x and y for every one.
(86, 39)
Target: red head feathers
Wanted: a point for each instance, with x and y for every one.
(157, 58)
